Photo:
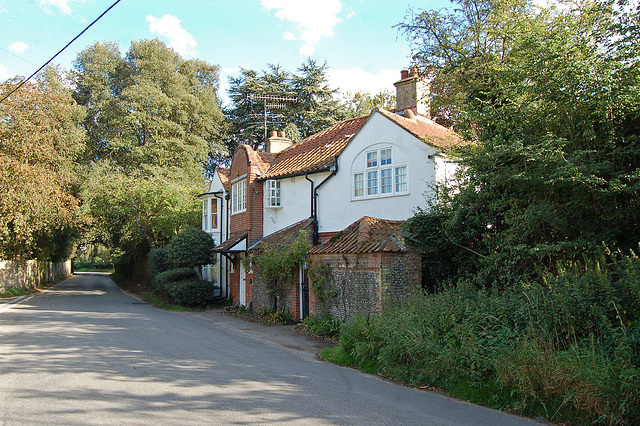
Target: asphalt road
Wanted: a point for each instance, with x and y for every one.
(84, 352)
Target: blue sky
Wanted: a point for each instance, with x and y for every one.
(355, 37)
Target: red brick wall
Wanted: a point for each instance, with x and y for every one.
(249, 221)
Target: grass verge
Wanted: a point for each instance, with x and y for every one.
(162, 304)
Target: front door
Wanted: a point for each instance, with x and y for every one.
(304, 291)
(243, 285)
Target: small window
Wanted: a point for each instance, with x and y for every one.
(214, 214)
(372, 159)
(401, 179)
(358, 185)
(273, 193)
(385, 157)
(372, 183)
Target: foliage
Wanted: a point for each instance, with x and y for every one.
(320, 277)
(153, 119)
(359, 104)
(40, 142)
(159, 261)
(194, 292)
(550, 98)
(276, 266)
(13, 292)
(92, 265)
(190, 248)
(163, 304)
(163, 279)
(314, 107)
(566, 350)
(323, 326)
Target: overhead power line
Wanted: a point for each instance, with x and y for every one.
(60, 51)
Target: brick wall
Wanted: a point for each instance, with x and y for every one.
(364, 283)
(290, 299)
(249, 221)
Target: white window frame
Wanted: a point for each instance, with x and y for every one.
(205, 214)
(369, 182)
(213, 219)
(239, 196)
(273, 194)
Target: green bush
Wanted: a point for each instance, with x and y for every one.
(567, 349)
(193, 292)
(92, 265)
(326, 326)
(159, 261)
(191, 248)
(171, 276)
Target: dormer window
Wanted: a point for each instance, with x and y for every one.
(381, 177)
(272, 194)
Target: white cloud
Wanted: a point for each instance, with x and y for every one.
(62, 5)
(18, 47)
(316, 19)
(357, 80)
(171, 27)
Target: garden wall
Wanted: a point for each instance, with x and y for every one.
(28, 274)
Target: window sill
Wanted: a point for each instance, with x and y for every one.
(380, 197)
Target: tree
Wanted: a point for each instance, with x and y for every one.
(359, 104)
(191, 248)
(550, 98)
(40, 141)
(311, 109)
(153, 121)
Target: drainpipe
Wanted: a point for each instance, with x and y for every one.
(314, 198)
(227, 197)
(219, 197)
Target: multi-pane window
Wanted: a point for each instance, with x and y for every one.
(372, 159)
(372, 182)
(381, 176)
(205, 214)
(358, 184)
(214, 214)
(273, 193)
(401, 179)
(239, 196)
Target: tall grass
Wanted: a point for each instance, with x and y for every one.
(566, 349)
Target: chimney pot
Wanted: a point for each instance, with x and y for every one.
(413, 72)
(281, 134)
(273, 134)
(404, 74)
(408, 113)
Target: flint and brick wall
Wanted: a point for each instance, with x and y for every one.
(365, 283)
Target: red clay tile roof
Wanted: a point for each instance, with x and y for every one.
(284, 236)
(425, 129)
(234, 239)
(224, 174)
(316, 152)
(367, 235)
(262, 160)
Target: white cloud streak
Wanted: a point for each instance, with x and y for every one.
(170, 27)
(18, 47)
(62, 5)
(315, 18)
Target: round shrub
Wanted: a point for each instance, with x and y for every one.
(191, 248)
(193, 292)
(163, 279)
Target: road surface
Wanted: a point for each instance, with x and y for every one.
(84, 352)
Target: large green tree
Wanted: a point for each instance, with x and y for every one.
(40, 142)
(550, 98)
(153, 120)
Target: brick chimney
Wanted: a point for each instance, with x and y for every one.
(412, 92)
(277, 142)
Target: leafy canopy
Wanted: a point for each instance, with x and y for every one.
(550, 96)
